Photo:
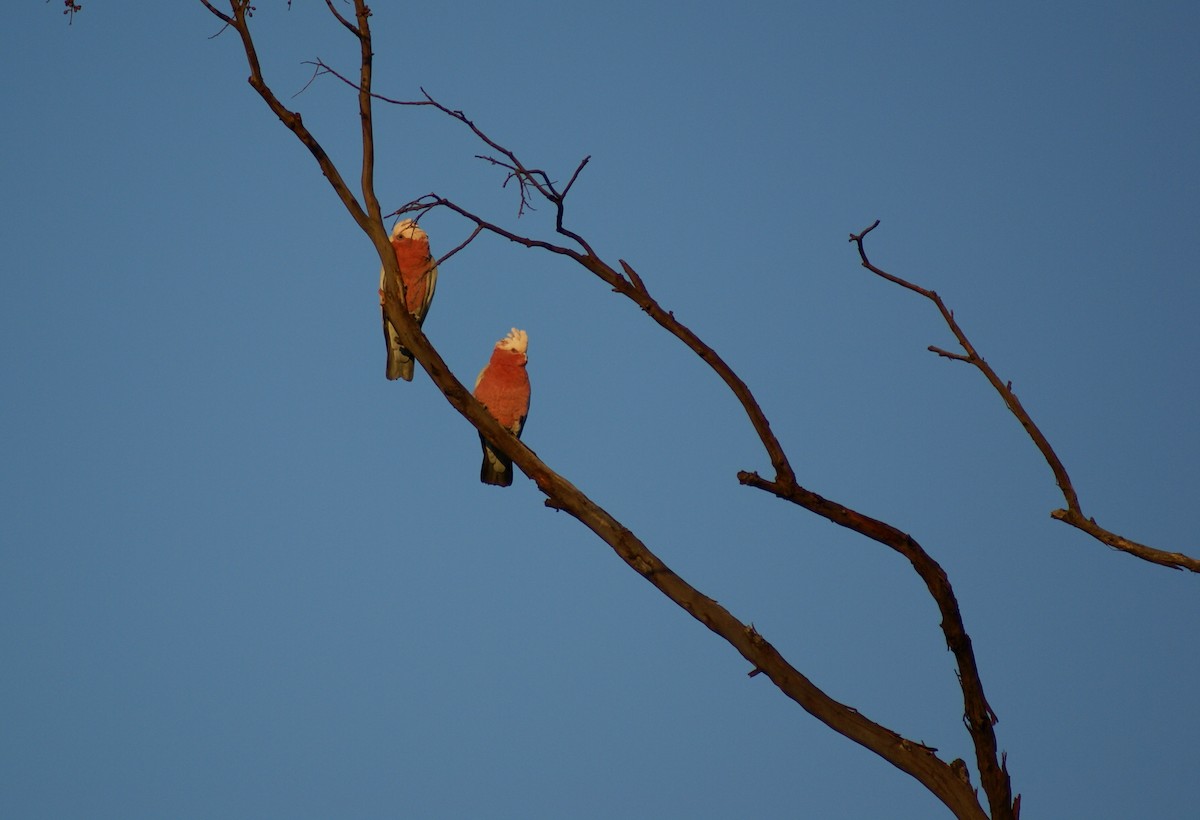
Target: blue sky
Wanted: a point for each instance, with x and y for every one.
(242, 575)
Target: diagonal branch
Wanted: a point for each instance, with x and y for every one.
(218, 13)
(368, 219)
(346, 23)
(1073, 514)
(919, 761)
(474, 233)
(635, 290)
(527, 178)
(978, 715)
(289, 118)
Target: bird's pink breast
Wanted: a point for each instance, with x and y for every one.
(504, 388)
(412, 255)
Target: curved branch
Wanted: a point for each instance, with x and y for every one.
(942, 779)
(909, 756)
(1073, 514)
(346, 23)
(526, 178)
(368, 220)
(219, 14)
(634, 289)
(1174, 560)
(978, 715)
(291, 119)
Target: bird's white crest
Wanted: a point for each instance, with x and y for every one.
(408, 229)
(517, 340)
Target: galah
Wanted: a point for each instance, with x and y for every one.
(503, 388)
(419, 273)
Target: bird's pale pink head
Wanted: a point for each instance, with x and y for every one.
(516, 340)
(408, 229)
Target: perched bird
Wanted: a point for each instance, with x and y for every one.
(419, 272)
(503, 388)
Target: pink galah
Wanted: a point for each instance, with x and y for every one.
(503, 388)
(419, 272)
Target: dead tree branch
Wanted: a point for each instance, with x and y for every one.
(914, 758)
(1073, 514)
(978, 715)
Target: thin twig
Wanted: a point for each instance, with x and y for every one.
(349, 26)
(478, 230)
(219, 14)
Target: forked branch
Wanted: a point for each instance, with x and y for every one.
(978, 715)
(1073, 514)
(942, 779)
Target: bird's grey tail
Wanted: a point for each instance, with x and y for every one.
(399, 366)
(496, 469)
(399, 360)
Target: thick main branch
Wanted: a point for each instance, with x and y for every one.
(919, 761)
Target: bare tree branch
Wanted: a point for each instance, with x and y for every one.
(978, 714)
(349, 26)
(369, 220)
(635, 290)
(474, 233)
(238, 20)
(1073, 514)
(220, 15)
(916, 759)
(366, 54)
(526, 178)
